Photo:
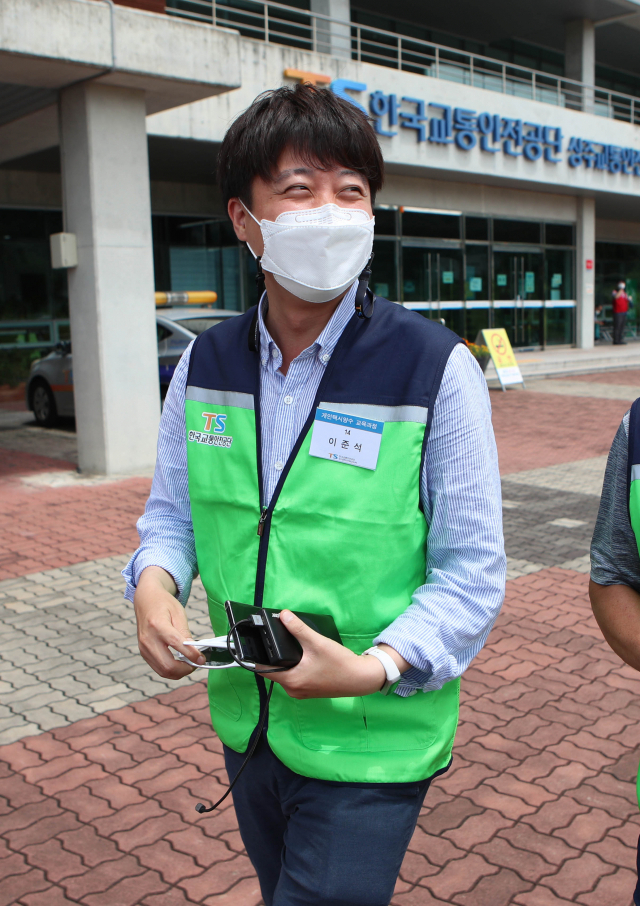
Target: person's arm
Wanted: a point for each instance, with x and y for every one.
(451, 615)
(614, 587)
(160, 573)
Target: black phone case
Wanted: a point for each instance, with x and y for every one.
(266, 640)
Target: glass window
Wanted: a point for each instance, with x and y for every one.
(417, 283)
(432, 275)
(450, 274)
(162, 332)
(477, 319)
(477, 227)
(29, 287)
(386, 224)
(198, 255)
(559, 328)
(617, 261)
(431, 226)
(384, 270)
(531, 276)
(558, 233)
(453, 318)
(503, 276)
(559, 274)
(518, 276)
(477, 273)
(516, 231)
(523, 325)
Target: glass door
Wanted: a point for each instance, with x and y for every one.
(434, 275)
(518, 293)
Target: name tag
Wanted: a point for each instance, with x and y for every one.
(346, 438)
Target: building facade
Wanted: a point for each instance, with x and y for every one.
(510, 133)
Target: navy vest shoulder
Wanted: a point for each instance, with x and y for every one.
(395, 358)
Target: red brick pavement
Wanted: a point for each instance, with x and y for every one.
(538, 810)
(535, 430)
(15, 463)
(45, 528)
(49, 527)
(626, 377)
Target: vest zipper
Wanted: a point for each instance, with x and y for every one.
(264, 522)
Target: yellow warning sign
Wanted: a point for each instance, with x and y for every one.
(502, 356)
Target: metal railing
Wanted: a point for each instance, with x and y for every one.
(276, 23)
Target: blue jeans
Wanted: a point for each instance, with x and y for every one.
(316, 843)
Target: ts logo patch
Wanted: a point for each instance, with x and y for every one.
(217, 438)
(210, 417)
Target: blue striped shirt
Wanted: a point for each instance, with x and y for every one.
(449, 617)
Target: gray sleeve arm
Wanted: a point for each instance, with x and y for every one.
(614, 550)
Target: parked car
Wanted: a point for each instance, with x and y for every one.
(49, 391)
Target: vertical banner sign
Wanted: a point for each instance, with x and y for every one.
(502, 356)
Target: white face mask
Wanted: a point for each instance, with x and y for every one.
(318, 253)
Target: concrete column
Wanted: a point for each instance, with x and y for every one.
(585, 275)
(333, 37)
(106, 199)
(580, 60)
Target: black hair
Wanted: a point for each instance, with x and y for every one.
(321, 128)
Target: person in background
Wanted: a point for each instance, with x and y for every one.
(620, 308)
(598, 321)
(614, 587)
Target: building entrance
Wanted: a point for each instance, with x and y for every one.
(518, 279)
(474, 272)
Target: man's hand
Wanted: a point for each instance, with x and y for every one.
(329, 670)
(162, 622)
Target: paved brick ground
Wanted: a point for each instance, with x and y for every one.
(538, 429)
(630, 376)
(538, 809)
(69, 647)
(51, 527)
(16, 463)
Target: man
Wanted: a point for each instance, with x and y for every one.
(270, 514)
(614, 588)
(620, 303)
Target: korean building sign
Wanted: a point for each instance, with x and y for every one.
(441, 124)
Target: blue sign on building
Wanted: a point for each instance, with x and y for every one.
(442, 124)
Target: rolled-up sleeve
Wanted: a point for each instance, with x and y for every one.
(451, 615)
(165, 529)
(614, 550)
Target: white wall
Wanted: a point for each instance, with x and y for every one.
(262, 67)
(473, 198)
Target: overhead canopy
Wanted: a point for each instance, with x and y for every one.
(48, 46)
(541, 22)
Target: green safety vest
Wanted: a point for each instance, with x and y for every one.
(337, 539)
(633, 486)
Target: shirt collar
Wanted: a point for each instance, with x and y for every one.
(323, 347)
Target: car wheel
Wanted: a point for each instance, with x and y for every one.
(44, 405)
